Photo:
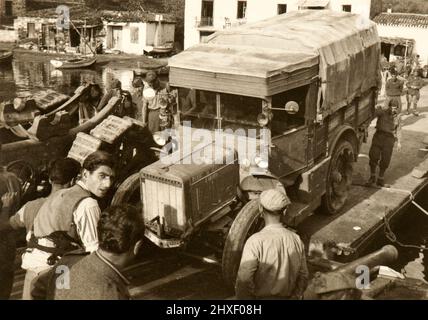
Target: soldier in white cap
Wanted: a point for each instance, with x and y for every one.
(273, 263)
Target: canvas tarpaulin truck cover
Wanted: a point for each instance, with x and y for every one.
(345, 47)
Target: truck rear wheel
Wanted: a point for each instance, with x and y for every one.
(128, 192)
(247, 222)
(339, 178)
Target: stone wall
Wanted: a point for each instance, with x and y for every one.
(20, 25)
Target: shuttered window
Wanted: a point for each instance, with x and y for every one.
(134, 34)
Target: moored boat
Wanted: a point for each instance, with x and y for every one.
(74, 63)
(45, 114)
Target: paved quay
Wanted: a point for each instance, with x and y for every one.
(351, 231)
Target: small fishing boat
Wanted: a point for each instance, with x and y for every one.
(6, 56)
(38, 113)
(74, 63)
(163, 49)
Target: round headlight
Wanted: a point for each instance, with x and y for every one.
(261, 163)
(159, 138)
(246, 163)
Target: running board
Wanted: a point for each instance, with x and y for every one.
(297, 212)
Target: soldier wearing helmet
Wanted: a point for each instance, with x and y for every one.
(273, 263)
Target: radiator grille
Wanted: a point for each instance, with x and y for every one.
(163, 199)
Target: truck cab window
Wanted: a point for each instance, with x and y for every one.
(239, 112)
(198, 107)
(283, 121)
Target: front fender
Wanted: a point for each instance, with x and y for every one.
(348, 133)
(252, 185)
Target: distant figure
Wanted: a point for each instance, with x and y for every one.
(88, 103)
(137, 97)
(155, 103)
(415, 62)
(273, 263)
(414, 84)
(394, 90)
(388, 131)
(125, 105)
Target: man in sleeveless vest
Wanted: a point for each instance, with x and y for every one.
(68, 219)
(62, 173)
(99, 275)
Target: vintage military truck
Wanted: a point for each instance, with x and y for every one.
(311, 78)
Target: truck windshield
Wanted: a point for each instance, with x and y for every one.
(239, 112)
(200, 108)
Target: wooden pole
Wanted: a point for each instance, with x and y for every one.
(405, 55)
(72, 24)
(84, 34)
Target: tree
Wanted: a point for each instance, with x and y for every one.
(376, 8)
(176, 8)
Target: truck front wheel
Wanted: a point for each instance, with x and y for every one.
(128, 192)
(339, 178)
(247, 222)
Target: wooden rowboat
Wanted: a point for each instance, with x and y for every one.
(74, 63)
(163, 49)
(43, 115)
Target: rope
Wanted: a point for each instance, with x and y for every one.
(390, 235)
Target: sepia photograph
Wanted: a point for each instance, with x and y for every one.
(192, 151)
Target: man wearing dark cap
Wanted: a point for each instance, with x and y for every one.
(273, 263)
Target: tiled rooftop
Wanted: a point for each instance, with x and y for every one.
(81, 13)
(403, 19)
